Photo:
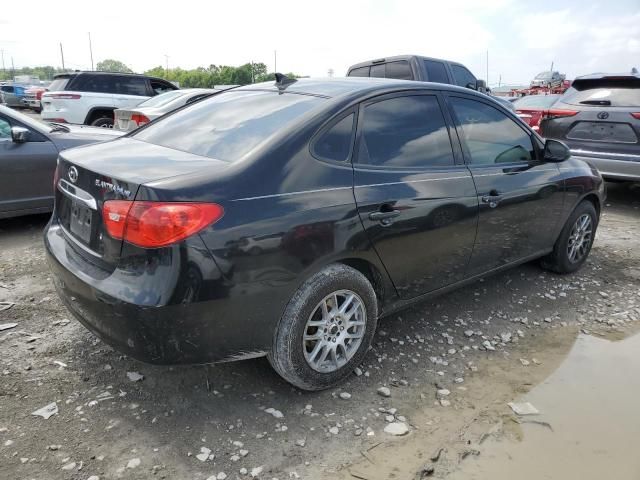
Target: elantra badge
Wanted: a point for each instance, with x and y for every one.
(73, 174)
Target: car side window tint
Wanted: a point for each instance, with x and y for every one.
(491, 136)
(359, 72)
(5, 129)
(160, 87)
(436, 71)
(377, 71)
(399, 70)
(132, 86)
(408, 131)
(462, 76)
(335, 142)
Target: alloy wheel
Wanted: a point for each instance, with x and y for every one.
(580, 238)
(334, 331)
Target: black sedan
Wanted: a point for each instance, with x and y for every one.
(284, 219)
(28, 153)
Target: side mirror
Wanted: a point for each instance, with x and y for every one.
(555, 151)
(481, 86)
(19, 134)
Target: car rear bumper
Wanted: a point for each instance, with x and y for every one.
(116, 308)
(612, 165)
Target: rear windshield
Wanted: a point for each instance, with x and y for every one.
(229, 125)
(58, 84)
(624, 92)
(162, 99)
(536, 101)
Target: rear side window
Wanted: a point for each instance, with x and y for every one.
(131, 86)
(490, 136)
(58, 84)
(359, 72)
(462, 76)
(436, 71)
(335, 142)
(229, 125)
(94, 83)
(405, 132)
(399, 70)
(377, 71)
(624, 92)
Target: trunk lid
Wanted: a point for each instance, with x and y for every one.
(89, 176)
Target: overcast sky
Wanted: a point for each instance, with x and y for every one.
(311, 37)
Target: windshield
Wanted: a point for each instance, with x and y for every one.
(614, 92)
(543, 75)
(162, 99)
(536, 101)
(229, 125)
(58, 84)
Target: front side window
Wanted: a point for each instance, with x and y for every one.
(229, 125)
(335, 142)
(5, 129)
(436, 71)
(463, 77)
(405, 132)
(132, 86)
(491, 137)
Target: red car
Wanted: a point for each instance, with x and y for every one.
(533, 107)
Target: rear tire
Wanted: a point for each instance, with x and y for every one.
(336, 312)
(104, 122)
(575, 241)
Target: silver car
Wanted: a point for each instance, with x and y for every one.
(127, 119)
(28, 153)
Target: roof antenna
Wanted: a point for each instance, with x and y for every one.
(282, 81)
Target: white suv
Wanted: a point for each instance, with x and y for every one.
(89, 98)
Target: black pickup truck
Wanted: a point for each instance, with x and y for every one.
(415, 67)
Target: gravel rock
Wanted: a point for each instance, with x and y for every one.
(384, 392)
(397, 429)
(135, 376)
(345, 395)
(133, 463)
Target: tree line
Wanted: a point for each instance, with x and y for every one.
(201, 77)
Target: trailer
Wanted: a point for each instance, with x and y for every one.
(544, 90)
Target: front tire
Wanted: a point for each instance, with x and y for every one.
(575, 241)
(326, 329)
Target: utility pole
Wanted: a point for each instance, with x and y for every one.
(13, 69)
(62, 55)
(487, 68)
(275, 61)
(166, 57)
(90, 51)
(4, 71)
(500, 80)
(330, 73)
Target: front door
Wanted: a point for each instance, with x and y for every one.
(417, 204)
(27, 170)
(520, 197)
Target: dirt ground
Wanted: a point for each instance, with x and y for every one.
(567, 344)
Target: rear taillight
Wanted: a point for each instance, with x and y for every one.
(139, 119)
(558, 112)
(636, 115)
(64, 96)
(157, 224)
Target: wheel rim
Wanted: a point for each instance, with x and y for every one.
(580, 238)
(334, 331)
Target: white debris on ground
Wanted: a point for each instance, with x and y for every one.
(524, 408)
(47, 411)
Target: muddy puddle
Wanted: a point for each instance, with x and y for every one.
(588, 426)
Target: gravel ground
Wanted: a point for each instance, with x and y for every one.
(435, 383)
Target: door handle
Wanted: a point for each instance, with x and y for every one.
(492, 199)
(384, 217)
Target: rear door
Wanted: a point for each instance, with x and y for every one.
(520, 198)
(418, 204)
(27, 170)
